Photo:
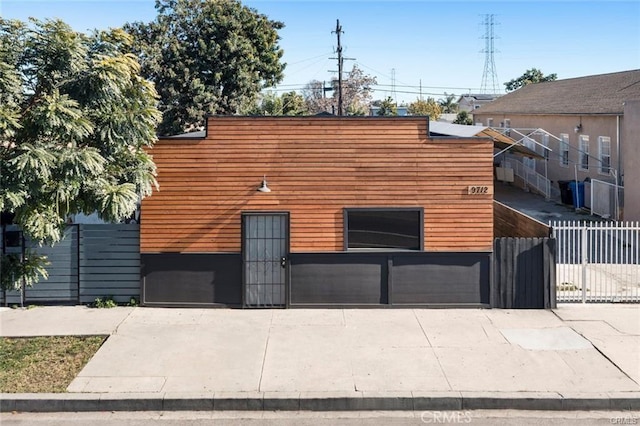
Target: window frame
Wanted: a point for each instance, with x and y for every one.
(345, 227)
(601, 141)
(583, 149)
(564, 149)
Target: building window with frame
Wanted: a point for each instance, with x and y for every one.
(564, 150)
(604, 154)
(507, 127)
(584, 152)
(384, 228)
(489, 122)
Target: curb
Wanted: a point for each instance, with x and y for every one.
(318, 401)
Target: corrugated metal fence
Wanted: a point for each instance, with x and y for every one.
(598, 261)
(91, 261)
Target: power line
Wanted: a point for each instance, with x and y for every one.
(393, 85)
(310, 59)
(417, 92)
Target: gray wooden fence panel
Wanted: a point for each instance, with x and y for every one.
(109, 262)
(524, 273)
(62, 283)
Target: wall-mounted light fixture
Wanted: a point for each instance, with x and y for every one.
(263, 187)
(578, 128)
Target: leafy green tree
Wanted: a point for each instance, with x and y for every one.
(463, 118)
(268, 103)
(448, 104)
(429, 107)
(530, 76)
(290, 103)
(206, 57)
(388, 107)
(75, 118)
(293, 104)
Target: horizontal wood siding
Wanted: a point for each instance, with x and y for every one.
(508, 222)
(62, 284)
(315, 167)
(109, 262)
(90, 261)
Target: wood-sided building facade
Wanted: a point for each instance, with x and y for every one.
(361, 211)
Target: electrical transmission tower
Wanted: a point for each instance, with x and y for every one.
(489, 75)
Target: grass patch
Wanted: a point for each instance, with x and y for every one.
(44, 364)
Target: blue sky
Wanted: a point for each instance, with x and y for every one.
(435, 44)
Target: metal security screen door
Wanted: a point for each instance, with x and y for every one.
(265, 251)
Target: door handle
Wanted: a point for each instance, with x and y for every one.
(283, 262)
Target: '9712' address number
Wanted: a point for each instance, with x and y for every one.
(478, 190)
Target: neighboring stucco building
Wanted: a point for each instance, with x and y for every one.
(586, 124)
(631, 161)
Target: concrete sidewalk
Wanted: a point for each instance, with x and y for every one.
(572, 358)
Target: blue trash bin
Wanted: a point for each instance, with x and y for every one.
(578, 194)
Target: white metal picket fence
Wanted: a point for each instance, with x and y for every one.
(597, 261)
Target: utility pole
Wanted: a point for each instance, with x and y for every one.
(340, 59)
(338, 31)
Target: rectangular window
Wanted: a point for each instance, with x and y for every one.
(604, 154)
(489, 122)
(584, 152)
(507, 126)
(379, 228)
(564, 150)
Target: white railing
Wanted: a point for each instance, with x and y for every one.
(530, 177)
(605, 199)
(597, 261)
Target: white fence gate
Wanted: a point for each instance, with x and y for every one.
(597, 261)
(605, 199)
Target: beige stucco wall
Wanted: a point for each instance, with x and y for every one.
(592, 125)
(631, 156)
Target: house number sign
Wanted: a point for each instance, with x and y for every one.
(478, 190)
